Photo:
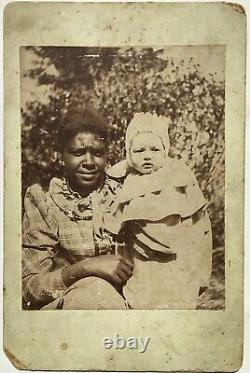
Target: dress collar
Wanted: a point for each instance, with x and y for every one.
(76, 206)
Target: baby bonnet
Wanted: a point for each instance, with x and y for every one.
(148, 123)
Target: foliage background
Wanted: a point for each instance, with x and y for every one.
(118, 83)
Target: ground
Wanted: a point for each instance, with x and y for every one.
(214, 296)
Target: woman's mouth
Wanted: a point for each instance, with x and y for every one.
(87, 175)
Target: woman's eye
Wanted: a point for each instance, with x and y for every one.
(98, 153)
(77, 154)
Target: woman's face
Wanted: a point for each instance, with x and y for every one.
(85, 158)
(147, 153)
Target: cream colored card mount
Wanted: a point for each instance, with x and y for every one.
(124, 183)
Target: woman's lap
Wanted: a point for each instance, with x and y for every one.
(90, 293)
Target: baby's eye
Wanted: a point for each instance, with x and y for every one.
(139, 150)
(155, 149)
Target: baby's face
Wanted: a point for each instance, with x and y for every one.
(147, 153)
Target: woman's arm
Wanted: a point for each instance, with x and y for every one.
(41, 279)
(112, 268)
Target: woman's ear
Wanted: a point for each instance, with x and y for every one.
(59, 158)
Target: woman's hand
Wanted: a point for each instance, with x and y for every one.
(112, 268)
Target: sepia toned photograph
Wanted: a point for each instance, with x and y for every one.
(124, 133)
(123, 172)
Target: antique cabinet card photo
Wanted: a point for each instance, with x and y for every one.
(124, 166)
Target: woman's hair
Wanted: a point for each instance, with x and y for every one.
(81, 119)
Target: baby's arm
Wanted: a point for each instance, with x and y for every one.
(113, 219)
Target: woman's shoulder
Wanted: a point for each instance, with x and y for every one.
(35, 191)
(39, 192)
(39, 206)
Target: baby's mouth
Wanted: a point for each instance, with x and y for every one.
(147, 165)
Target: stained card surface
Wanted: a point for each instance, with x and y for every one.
(124, 163)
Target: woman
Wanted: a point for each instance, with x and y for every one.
(68, 260)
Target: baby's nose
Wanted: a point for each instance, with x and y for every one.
(147, 155)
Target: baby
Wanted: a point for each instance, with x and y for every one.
(162, 211)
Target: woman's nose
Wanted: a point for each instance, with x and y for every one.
(88, 159)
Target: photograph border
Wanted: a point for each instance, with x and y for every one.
(180, 333)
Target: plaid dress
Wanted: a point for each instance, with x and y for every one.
(60, 227)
